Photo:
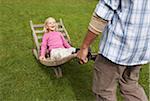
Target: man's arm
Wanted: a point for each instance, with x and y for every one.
(82, 54)
(96, 26)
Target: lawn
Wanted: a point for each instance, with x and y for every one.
(22, 77)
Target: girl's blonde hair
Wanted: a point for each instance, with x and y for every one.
(49, 19)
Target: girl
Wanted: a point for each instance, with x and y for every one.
(57, 45)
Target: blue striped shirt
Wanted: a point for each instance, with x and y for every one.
(126, 38)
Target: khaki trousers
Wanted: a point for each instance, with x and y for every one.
(108, 74)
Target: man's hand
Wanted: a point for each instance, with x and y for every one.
(82, 55)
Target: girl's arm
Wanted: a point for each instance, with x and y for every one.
(65, 43)
(44, 45)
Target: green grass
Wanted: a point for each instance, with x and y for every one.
(22, 77)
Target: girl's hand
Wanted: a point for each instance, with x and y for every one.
(42, 58)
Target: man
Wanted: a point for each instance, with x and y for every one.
(124, 47)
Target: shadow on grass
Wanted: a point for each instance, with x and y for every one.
(80, 77)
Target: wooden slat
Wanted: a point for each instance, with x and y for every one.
(60, 29)
(42, 25)
(38, 25)
(35, 37)
(65, 30)
(35, 53)
(39, 31)
(39, 37)
(58, 23)
(42, 31)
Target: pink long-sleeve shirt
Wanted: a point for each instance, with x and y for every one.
(53, 40)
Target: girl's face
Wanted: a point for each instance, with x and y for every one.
(51, 25)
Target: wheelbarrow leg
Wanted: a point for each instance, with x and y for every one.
(58, 71)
